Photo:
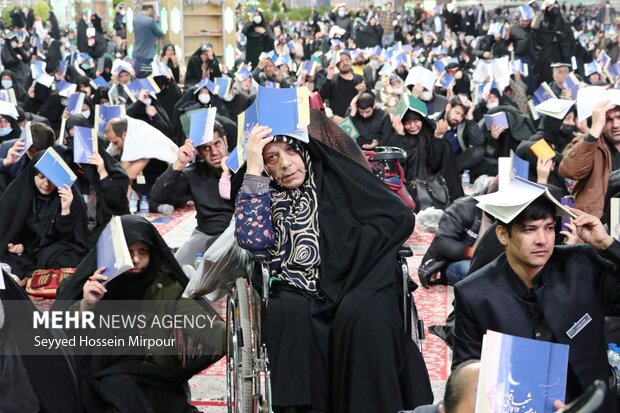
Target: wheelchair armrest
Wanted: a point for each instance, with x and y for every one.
(260, 256)
(404, 252)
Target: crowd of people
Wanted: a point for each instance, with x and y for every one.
(430, 82)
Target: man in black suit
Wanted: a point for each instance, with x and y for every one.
(535, 290)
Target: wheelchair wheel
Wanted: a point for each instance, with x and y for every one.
(239, 372)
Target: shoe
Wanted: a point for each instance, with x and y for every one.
(165, 209)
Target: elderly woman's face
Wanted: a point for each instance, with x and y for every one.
(284, 164)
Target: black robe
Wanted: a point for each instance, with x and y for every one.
(45, 383)
(339, 363)
(126, 383)
(29, 218)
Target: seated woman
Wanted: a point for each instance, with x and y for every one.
(42, 226)
(103, 183)
(142, 380)
(333, 326)
(426, 155)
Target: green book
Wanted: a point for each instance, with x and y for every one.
(349, 128)
(408, 102)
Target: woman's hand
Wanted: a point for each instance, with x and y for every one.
(97, 161)
(398, 126)
(496, 131)
(15, 248)
(66, 197)
(259, 137)
(93, 291)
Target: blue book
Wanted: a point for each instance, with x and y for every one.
(542, 94)
(222, 85)
(74, 105)
(101, 82)
(137, 85)
(614, 70)
(84, 144)
(520, 167)
(8, 95)
(103, 114)
(208, 83)
(520, 374)
(498, 118)
(201, 126)
(55, 169)
(271, 85)
(446, 81)
(37, 69)
(112, 250)
(572, 83)
(283, 110)
(65, 88)
(26, 137)
(309, 66)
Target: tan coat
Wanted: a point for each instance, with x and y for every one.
(589, 163)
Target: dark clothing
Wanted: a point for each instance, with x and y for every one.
(574, 282)
(160, 121)
(378, 126)
(340, 92)
(458, 230)
(200, 182)
(521, 39)
(428, 156)
(195, 72)
(552, 41)
(369, 36)
(50, 239)
(144, 382)
(349, 327)
(257, 42)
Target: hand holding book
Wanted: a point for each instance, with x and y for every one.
(260, 136)
(66, 198)
(591, 230)
(93, 290)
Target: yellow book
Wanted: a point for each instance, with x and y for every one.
(542, 148)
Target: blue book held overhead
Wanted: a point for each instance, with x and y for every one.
(223, 85)
(74, 105)
(542, 94)
(103, 114)
(112, 250)
(55, 169)
(201, 126)
(137, 85)
(101, 82)
(84, 144)
(520, 167)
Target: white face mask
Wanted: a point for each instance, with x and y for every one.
(491, 105)
(148, 101)
(426, 95)
(204, 98)
(375, 64)
(257, 19)
(86, 114)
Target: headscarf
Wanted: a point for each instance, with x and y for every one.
(21, 206)
(294, 214)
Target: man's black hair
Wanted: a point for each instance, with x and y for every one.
(366, 100)
(456, 387)
(540, 208)
(221, 132)
(42, 136)
(147, 7)
(457, 101)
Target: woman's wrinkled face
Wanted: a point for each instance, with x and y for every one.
(44, 186)
(284, 164)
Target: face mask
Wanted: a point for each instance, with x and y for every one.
(257, 19)
(204, 98)
(5, 131)
(7, 84)
(86, 114)
(375, 64)
(426, 95)
(398, 90)
(148, 101)
(85, 66)
(491, 105)
(341, 13)
(568, 129)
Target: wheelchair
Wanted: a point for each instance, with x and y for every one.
(247, 367)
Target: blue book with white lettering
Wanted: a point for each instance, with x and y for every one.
(103, 114)
(542, 94)
(84, 144)
(520, 374)
(112, 250)
(101, 82)
(55, 169)
(75, 102)
(222, 86)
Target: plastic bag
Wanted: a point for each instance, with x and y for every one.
(428, 219)
(223, 262)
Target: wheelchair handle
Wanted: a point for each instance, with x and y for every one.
(259, 256)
